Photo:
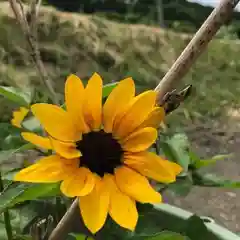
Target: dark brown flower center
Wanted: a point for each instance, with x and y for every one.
(101, 153)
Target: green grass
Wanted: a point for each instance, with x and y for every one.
(83, 44)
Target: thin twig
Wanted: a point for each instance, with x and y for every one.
(31, 37)
(195, 47)
(6, 215)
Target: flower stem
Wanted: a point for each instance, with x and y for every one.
(58, 208)
(6, 215)
(156, 145)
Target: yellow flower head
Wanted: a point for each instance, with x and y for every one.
(100, 152)
(18, 116)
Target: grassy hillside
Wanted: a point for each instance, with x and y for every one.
(82, 44)
(182, 15)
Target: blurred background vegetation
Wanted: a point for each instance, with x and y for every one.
(98, 39)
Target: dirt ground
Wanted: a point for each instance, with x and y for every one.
(223, 205)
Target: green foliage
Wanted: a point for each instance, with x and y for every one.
(80, 237)
(211, 180)
(6, 154)
(198, 163)
(108, 88)
(167, 236)
(17, 193)
(23, 98)
(176, 148)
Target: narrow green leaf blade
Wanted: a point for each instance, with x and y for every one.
(23, 192)
(36, 191)
(9, 194)
(107, 89)
(211, 180)
(206, 162)
(16, 95)
(167, 236)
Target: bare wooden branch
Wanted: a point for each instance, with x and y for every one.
(62, 229)
(195, 47)
(31, 37)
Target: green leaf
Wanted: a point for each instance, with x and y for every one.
(206, 162)
(5, 155)
(6, 129)
(107, 89)
(23, 192)
(196, 229)
(12, 141)
(155, 219)
(181, 187)
(80, 236)
(20, 218)
(167, 236)
(176, 148)
(16, 95)
(211, 180)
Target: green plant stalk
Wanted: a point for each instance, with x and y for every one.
(6, 215)
(58, 209)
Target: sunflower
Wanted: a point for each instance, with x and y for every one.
(100, 152)
(18, 116)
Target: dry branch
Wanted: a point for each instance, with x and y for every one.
(30, 32)
(63, 227)
(195, 47)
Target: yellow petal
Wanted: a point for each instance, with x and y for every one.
(140, 108)
(18, 116)
(140, 140)
(122, 208)
(80, 183)
(48, 169)
(56, 121)
(74, 97)
(154, 118)
(153, 166)
(92, 108)
(42, 142)
(94, 206)
(117, 101)
(136, 186)
(65, 149)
